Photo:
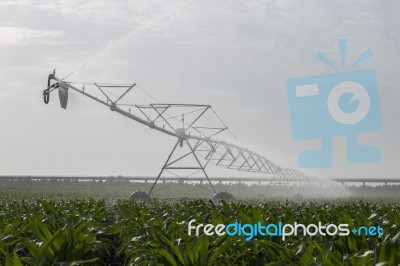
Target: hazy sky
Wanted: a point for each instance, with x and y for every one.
(234, 55)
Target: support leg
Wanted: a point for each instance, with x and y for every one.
(202, 168)
(162, 169)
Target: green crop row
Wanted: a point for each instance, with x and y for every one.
(94, 232)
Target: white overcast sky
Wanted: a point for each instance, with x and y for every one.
(234, 55)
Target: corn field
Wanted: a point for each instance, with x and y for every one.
(97, 232)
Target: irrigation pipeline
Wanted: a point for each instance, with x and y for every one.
(113, 107)
(138, 119)
(181, 137)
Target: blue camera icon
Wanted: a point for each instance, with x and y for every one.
(344, 103)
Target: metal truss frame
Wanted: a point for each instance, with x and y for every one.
(202, 144)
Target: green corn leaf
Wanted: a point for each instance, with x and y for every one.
(114, 229)
(219, 251)
(16, 260)
(164, 253)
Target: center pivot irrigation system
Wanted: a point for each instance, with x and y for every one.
(197, 129)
